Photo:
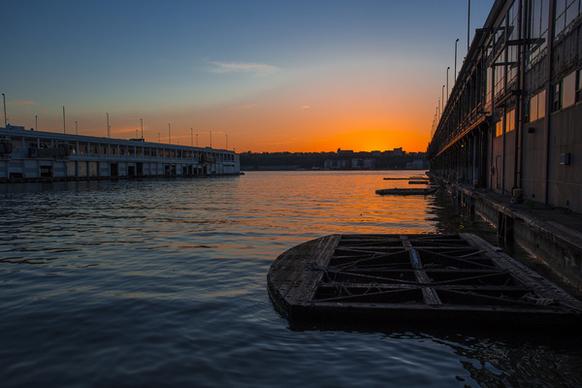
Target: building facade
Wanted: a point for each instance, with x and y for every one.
(34, 155)
(513, 121)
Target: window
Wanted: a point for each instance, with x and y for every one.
(489, 89)
(499, 128)
(537, 106)
(499, 75)
(513, 35)
(566, 12)
(510, 121)
(538, 23)
(557, 96)
(569, 90)
(542, 104)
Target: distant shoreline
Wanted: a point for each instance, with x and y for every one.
(246, 169)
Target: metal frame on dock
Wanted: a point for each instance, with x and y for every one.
(420, 279)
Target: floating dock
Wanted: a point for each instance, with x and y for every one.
(414, 177)
(396, 191)
(449, 281)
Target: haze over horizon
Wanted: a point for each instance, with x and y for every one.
(275, 76)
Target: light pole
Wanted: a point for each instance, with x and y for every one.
(141, 124)
(192, 137)
(456, 43)
(196, 137)
(442, 99)
(210, 138)
(448, 68)
(4, 105)
(169, 133)
(36, 122)
(64, 121)
(226, 136)
(108, 126)
(76, 127)
(468, 25)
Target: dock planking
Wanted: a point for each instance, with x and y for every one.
(434, 280)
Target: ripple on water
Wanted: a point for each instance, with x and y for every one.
(163, 283)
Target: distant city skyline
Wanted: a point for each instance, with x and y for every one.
(274, 76)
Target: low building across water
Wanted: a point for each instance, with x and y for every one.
(27, 155)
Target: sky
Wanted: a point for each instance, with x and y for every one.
(268, 75)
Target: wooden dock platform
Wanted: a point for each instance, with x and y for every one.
(452, 281)
(408, 191)
(414, 177)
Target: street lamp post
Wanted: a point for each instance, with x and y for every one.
(108, 126)
(76, 127)
(169, 133)
(64, 121)
(448, 68)
(456, 43)
(4, 105)
(141, 125)
(36, 122)
(468, 25)
(192, 137)
(442, 99)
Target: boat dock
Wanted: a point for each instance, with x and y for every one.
(435, 280)
(27, 155)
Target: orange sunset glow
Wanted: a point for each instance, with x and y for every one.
(320, 87)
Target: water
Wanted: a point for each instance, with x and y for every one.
(162, 283)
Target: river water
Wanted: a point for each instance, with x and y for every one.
(163, 283)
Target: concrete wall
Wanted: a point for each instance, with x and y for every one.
(71, 169)
(497, 163)
(59, 169)
(509, 160)
(556, 247)
(565, 181)
(104, 169)
(534, 160)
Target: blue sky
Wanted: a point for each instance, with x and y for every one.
(164, 59)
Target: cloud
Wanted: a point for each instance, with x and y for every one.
(243, 67)
(306, 107)
(24, 102)
(246, 106)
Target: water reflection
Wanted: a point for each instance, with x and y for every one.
(163, 283)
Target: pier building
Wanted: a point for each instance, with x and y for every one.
(512, 121)
(508, 141)
(28, 155)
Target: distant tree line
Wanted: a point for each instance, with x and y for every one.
(340, 160)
